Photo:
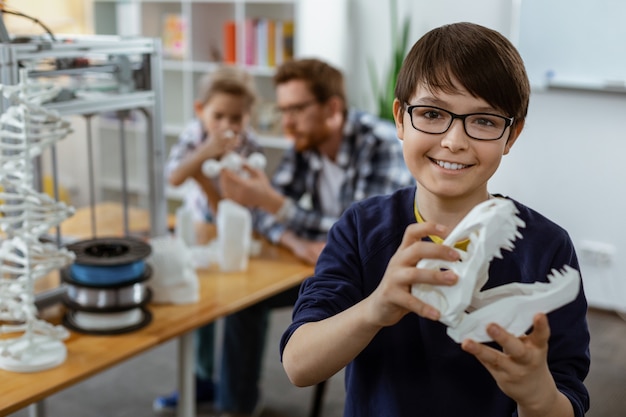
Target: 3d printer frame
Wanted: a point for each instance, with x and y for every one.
(134, 66)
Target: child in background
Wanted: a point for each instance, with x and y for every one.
(223, 110)
(357, 311)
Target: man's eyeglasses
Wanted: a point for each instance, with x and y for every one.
(294, 109)
(481, 126)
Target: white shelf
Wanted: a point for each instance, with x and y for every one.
(204, 20)
(265, 140)
(203, 33)
(174, 65)
(274, 142)
(609, 86)
(172, 129)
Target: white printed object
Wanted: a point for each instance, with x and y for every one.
(29, 344)
(257, 160)
(174, 279)
(234, 235)
(513, 306)
(233, 161)
(491, 227)
(185, 229)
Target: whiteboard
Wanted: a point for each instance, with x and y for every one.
(577, 42)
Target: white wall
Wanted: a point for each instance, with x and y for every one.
(322, 31)
(568, 163)
(370, 36)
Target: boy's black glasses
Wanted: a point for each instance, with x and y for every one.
(480, 126)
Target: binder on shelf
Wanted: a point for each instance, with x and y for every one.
(230, 42)
(288, 30)
(250, 41)
(261, 42)
(268, 42)
(278, 43)
(271, 43)
(174, 36)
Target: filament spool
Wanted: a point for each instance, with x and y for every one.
(109, 251)
(106, 289)
(108, 275)
(107, 323)
(125, 254)
(110, 298)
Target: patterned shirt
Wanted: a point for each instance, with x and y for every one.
(371, 157)
(188, 141)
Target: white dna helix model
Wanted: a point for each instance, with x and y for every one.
(491, 226)
(28, 344)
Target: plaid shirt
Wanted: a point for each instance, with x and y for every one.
(371, 157)
(188, 141)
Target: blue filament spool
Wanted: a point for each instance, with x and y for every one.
(108, 261)
(108, 267)
(107, 275)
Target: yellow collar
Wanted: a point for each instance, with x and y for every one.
(462, 245)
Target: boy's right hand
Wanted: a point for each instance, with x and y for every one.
(219, 144)
(392, 299)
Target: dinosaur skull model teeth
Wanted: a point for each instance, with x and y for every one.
(491, 227)
(514, 305)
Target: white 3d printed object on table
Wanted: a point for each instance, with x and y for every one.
(490, 227)
(26, 129)
(234, 235)
(174, 279)
(234, 222)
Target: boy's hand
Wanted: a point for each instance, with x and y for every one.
(521, 369)
(392, 299)
(219, 144)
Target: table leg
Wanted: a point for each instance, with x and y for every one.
(37, 409)
(186, 379)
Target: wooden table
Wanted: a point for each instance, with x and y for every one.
(273, 271)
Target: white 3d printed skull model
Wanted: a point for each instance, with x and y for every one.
(26, 129)
(465, 309)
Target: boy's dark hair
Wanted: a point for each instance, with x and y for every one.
(324, 80)
(481, 59)
(229, 80)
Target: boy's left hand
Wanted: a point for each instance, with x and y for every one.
(521, 369)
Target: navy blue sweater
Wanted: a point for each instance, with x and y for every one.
(413, 368)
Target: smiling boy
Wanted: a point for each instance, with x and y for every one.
(461, 102)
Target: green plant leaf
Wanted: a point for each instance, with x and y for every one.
(384, 91)
(371, 70)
